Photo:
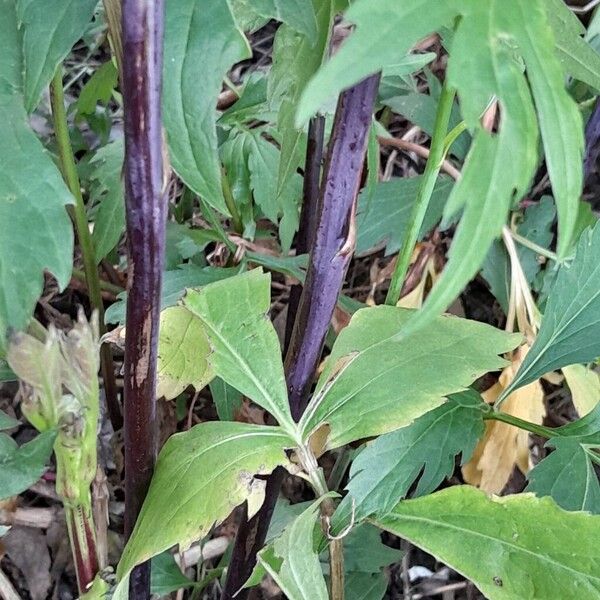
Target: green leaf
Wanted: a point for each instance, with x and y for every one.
(7, 422)
(32, 193)
(536, 227)
(183, 353)
(246, 352)
(512, 548)
(174, 284)
(202, 42)
(369, 48)
(383, 217)
(492, 42)
(166, 576)
(201, 475)
(364, 552)
(48, 29)
(106, 190)
(584, 384)
(6, 373)
(570, 329)
(295, 60)
(426, 450)
(22, 466)
(365, 586)
(293, 561)
(298, 14)
(226, 398)
(577, 57)
(568, 476)
(98, 89)
(32, 200)
(376, 380)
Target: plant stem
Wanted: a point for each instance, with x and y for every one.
(432, 170)
(494, 415)
(79, 216)
(243, 557)
(533, 246)
(334, 238)
(146, 212)
(331, 252)
(105, 286)
(236, 220)
(308, 214)
(80, 526)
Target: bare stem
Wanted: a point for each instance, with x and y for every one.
(79, 216)
(146, 210)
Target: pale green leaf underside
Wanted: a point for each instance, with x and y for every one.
(201, 475)
(513, 548)
(245, 349)
(202, 42)
(570, 329)
(377, 380)
(183, 352)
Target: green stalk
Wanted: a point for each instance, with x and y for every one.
(432, 170)
(105, 286)
(533, 246)
(236, 219)
(546, 432)
(79, 216)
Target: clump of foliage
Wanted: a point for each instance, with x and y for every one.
(287, 159)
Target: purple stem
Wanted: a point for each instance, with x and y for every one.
(309, 212)
(251, 534)
(146, 218)
(334, 239)
(329, 259)
(592, 142)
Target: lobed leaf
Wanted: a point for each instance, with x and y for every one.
(513, 548)
(383, 215)
(376, 380)
(567, 475)
(296, 58)
(424, 450)
(106, 189)
(292, 559)
(570, 328)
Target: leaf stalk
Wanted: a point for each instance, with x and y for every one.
(432, 170)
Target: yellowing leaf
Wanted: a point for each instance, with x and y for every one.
(183, 351)
(584, 384)
(503, 446)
